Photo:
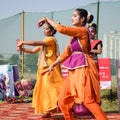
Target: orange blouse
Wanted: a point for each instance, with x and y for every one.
(82, 35)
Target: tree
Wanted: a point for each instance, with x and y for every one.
(3, 60)
(31, 62)
(14, 60)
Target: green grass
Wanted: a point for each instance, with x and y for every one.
(110, 98)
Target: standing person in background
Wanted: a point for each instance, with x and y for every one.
(47, 88)
(96, 45)
(82, 86)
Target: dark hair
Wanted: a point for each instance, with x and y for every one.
(84, 13)
(93, 26)
(51, 28)
(90, 18)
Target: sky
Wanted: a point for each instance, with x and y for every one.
(12, 7)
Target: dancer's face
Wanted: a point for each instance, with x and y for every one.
(76, 19)
(92, 33)
(47, 30)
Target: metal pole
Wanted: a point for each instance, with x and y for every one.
(98, 3)
(22, 40)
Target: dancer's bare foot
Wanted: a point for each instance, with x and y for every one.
(46, 115)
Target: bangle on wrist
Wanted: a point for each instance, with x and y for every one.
(56, 23)
(51, 67)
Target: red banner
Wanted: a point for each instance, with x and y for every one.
(104, 69)
(105, 73)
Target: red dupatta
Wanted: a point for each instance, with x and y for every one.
(94, 43)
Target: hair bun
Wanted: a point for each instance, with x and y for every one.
(90, 17)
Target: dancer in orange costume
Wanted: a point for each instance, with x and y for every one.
(82, 86)
(47, 88)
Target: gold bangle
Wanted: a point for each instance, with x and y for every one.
(55, 26)
(51, 67)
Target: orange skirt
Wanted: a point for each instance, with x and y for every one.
(83, 84)
(46, 91)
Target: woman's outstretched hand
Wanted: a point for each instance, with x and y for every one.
(41, 22)
(48, 70)
(18, 47)
(18, 44)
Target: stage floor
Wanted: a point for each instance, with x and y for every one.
(23, 111)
